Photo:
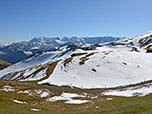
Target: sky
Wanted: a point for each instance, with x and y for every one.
(22, 20)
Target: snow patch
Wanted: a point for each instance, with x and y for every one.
(36, 92)
(130, 92)
(96, 106)
(28, 52)
(7, 89)
(44, 94)
(26, 92)
(35, 48)
(68, 98)
(71, 101)
(109, 99)
(94, 97)
(34, 109)
(19, 102)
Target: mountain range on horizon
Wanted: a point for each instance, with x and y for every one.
(18, 51)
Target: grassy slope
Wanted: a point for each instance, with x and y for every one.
(119, 105)
(49, 66)
(4, 64)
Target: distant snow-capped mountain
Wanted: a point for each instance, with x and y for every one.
(118, 63)
(21, 50)
(3, 44)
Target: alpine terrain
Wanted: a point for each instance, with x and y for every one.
(98, 78)
(119, 63)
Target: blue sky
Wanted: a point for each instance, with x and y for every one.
(25, 19)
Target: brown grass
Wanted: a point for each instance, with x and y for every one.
(107, 52)
(68, 60)
(83, 61)
(77, 54)
(50, 70)
(88, 55)
(4, 62)
(85, 58)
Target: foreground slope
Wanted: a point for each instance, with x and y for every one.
(119, 63)
(20, 97)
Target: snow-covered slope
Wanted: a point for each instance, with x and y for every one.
(116, 64)
(106, 68)
(142, 40)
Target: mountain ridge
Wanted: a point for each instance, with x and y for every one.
(21, 50)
